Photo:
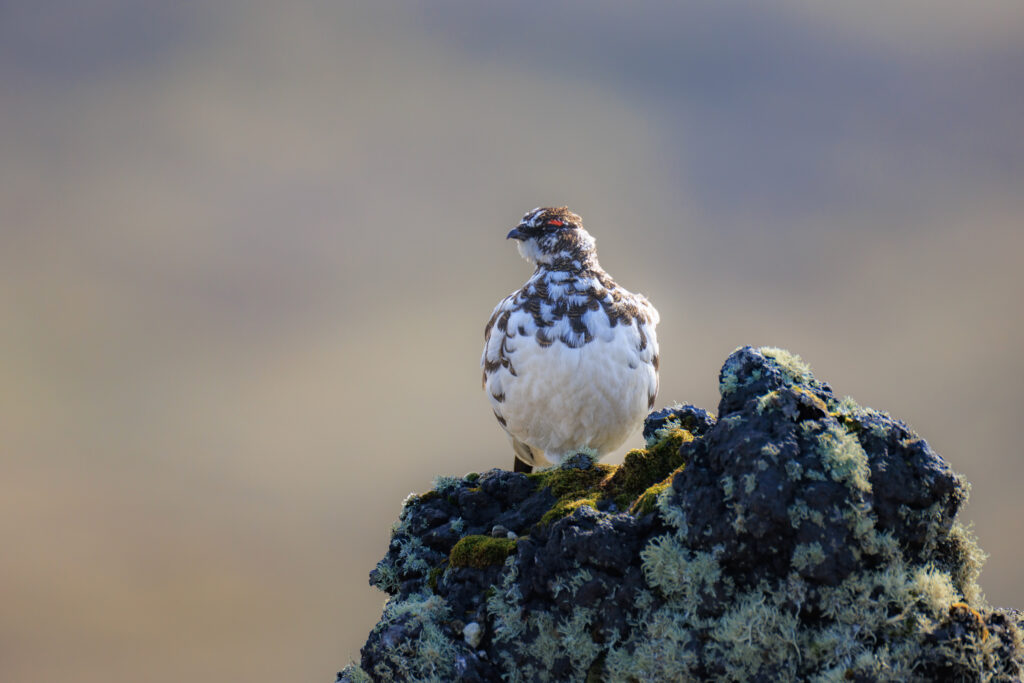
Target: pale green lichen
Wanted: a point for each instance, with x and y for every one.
(732, 421)
(934, 589)
(739, 518)
(660, 650)
(807, 555)
(411, 557)
(795, 369)
(504, 605)
(730, 381)
(968, 559)
(571, 583)
(728, 486)
(353, 673)
(814, 475)
(444, 485)
(756, 634)
(672, 514)
(841, 454)
(574, 635)
(386, 578)
(794, 470)
(546, 647)
(767, 401)
(428, 656)
(798, 512)
(676, 571)
(667, 429)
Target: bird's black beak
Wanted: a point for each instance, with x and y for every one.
(514, 234)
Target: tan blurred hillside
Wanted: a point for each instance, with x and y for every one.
(246, 256)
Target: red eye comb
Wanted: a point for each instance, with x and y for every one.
(555, 222)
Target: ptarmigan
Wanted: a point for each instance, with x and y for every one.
(570, 359)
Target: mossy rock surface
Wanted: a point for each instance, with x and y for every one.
(479, 551)
(799, 536)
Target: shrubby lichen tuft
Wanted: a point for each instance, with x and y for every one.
(797, 537)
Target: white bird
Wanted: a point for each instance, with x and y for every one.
(570, 359)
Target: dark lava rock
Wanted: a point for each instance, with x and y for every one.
(797, 537)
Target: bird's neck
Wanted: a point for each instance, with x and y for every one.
(581, 263)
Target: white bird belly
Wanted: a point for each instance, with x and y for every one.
(562, 399)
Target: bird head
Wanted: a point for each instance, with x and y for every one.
(554, 236)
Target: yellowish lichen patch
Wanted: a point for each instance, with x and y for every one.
(963, 607)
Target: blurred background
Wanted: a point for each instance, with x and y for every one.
(247, 250)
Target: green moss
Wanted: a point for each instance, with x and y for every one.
(424, 497)
(572, 487)
(595, 674)
(646, 503)
(642, 468)
(432, 578)
(566, 506)
(480, 551)
(632, 486)
(571, 481)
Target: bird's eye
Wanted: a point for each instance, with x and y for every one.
(556, 223)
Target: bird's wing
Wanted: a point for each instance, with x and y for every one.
(647, 348)
(495, 334)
